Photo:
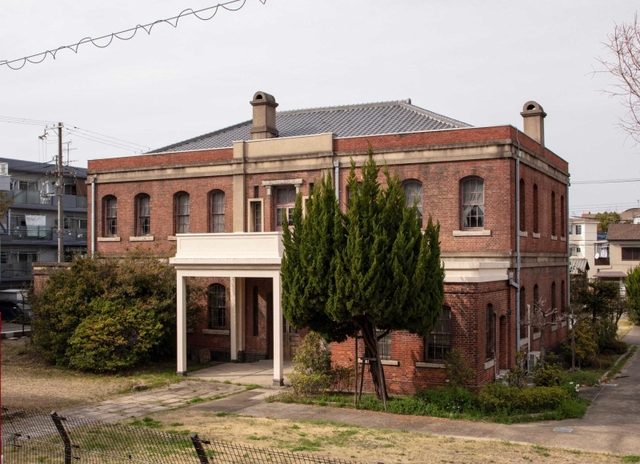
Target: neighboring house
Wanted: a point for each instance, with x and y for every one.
(624, 252)
(215, 203)
(587, 251)
(28, 233)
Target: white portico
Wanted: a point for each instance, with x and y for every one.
(235, 256)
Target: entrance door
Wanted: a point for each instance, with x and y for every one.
(291, 340)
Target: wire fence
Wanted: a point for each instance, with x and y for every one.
(37, 437)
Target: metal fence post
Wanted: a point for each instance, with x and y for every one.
(197, 444)
(57, 420)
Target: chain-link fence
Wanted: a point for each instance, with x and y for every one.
(36, 437)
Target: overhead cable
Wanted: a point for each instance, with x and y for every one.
(203, 14)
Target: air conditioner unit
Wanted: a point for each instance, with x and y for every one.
(534, 357)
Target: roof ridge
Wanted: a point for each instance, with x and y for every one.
(198, 137)
(345, 107)
(440, 117)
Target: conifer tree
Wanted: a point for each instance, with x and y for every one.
(370, 270)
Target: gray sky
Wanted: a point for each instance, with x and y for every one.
(476, 61)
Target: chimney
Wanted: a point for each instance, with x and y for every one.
(533, 116)
(264, 116)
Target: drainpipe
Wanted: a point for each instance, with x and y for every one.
(336, 179)
(518, 255)
(566, 234)
(93, 216)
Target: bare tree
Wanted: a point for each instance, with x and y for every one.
(623, 63)
(539, 319)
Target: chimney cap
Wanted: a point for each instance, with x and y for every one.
(532, 108)
(263, 98)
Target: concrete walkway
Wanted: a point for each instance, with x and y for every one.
(610, 426)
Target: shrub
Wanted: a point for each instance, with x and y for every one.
(497, 397)
(500, 398)
(547, 375)
(342, 379)
(457, 369)
(517, 376)
(449, 400)
(106, 313)
(586, 345)
(312, 372)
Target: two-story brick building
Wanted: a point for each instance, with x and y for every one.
(215, 203)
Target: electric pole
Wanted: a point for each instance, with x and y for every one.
(60, 194)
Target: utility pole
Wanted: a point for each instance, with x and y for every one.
(60, 194)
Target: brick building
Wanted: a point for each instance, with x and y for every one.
(214, 203)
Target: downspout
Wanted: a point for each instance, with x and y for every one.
(566, 234)
(516, 284)
(93, 216)
(336, 179)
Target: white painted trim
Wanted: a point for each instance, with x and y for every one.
(536, 335)
(535, 235)
(429, 364)
(109, 239)
(554, 237)
(144, 238)
(472, 233)
(522, 233)
(489, 364)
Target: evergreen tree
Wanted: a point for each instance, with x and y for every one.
(369, 270)
(632, 285)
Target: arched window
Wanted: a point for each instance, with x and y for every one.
(217, 305)
(536, 308)
(563, 223)
(536, 217)
(563, 297)
(182, 209)
(473, 203)
(523, 209)
(110, 222)
(489, 320)
(438, 343)
(216, 200)
(523, 313)
(143, 215)
(554, 303)
(413, 196)
(553, 214)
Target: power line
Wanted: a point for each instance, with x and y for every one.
(603, 181)
(126, 34)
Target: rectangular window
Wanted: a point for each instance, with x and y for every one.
(384, 345)
(438, 342)
(144, 215)
(217, 306)
(70, 189)
(183, 211)
(630, 254)
(256, 223)
(489, 333)
(285, 199)
(578, 229)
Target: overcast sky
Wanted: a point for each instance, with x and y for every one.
(475, 61)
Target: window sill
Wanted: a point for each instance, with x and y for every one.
(430, 364)
(472, 233)
(554, 237)
(216, 331)
(563, 239)
(109, 239)
(172, 238)
(522, 233)
(536, 335)
(563, 324)
(524, 341)
(190, 330)
(489, 364)
(384, 362)
(144, 238)
(535, 235)
(554, 327)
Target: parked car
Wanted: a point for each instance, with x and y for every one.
(15, 312)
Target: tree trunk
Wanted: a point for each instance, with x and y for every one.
(371, 353)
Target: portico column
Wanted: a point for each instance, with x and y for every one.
(234, 321)
(182, 324)
(278, 379)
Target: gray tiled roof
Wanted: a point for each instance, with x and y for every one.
(343, 121)
(623, 232)
(16, 165)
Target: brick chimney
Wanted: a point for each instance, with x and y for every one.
(264, 116)
(533, 116)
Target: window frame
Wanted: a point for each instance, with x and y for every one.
(384, 345)
(554, 219)
(217, 211)
(415, 195)
(279, 206)
(630, 253)
(110, 216)
(523, 205)
(536, 210)
(476, 214)
(182, 212)
(217, 306)
(489, 333)
(143, 215)
(438, 343)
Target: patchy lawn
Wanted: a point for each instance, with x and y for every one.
(29, 383)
